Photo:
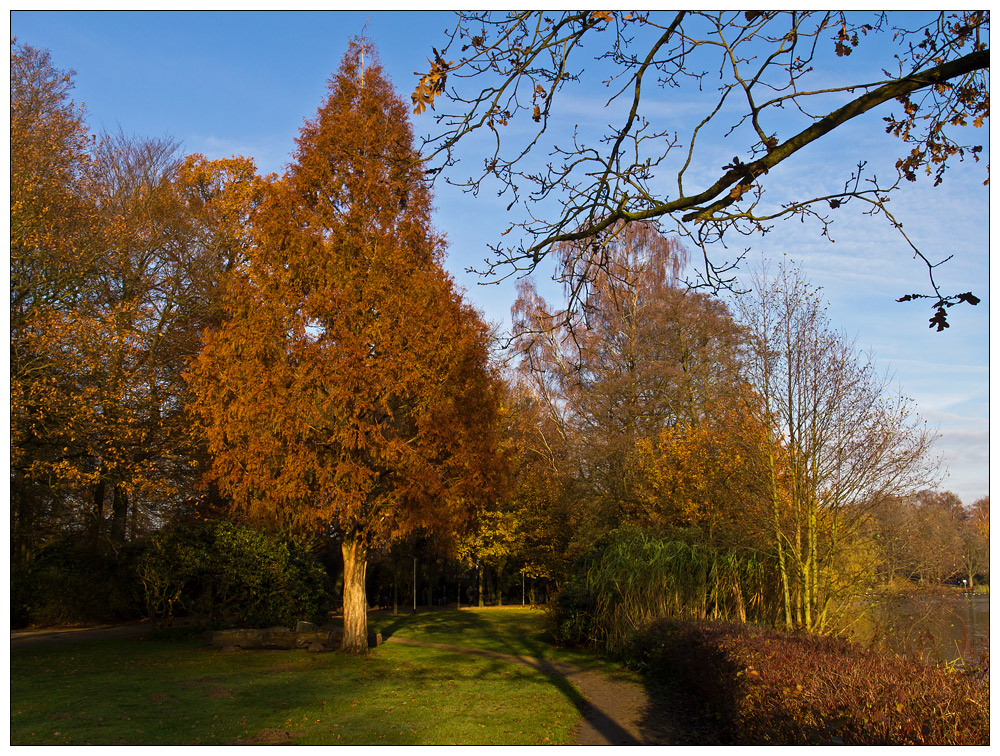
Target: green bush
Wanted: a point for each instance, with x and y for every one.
(79, 580)
(630, 578)
(768, 687)
(571, 616)
(221, 573)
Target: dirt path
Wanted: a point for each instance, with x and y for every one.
(615, 710)
(50, 636)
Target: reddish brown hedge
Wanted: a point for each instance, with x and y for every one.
(767, 687)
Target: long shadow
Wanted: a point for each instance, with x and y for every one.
(674, 717)
(448, 622)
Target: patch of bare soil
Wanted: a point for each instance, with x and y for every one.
(615, 710)
(268, 736)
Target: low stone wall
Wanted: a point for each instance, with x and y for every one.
(305, 635)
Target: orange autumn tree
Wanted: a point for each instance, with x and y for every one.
(706, 474)
(117, 248)
(51, 222)
(349, 391)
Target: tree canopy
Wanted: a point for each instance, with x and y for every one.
(201, 351)
(348, 389)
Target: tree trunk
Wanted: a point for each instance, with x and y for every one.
(119, 514)
(355, 601)
(499, 589)
(97, 523)
(395, 588)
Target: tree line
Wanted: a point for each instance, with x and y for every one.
(192, 341)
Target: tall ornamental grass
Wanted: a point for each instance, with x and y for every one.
(630, 578)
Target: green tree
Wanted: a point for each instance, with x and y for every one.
(348, 390)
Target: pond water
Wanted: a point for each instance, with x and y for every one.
(948, 628)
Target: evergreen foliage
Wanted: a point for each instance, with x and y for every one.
(218, 572)
(78, 579)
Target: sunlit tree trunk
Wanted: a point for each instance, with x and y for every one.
(355, 602)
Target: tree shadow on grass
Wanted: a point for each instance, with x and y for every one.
(531, 650)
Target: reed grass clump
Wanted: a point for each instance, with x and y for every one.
(631, 578)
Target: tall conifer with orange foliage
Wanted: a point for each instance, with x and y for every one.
(349, 391)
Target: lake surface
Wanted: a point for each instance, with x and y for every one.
(946, 628)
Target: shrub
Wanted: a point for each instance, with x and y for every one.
(768, 687)
(219, 573)
(570, 616)
(630, 578)
(80, 580)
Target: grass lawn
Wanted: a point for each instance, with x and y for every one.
(183, 692)
(514, 630)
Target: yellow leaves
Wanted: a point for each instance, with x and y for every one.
(601, 17)
(692, 473)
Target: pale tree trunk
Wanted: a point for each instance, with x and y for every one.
(499, 583)
(355, 602)
(779, 540)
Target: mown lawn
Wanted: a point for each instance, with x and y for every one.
(184, 692)
(514, 630)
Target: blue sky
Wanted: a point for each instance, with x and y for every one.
(224, 83)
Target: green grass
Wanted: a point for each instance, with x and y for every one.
(183, 692)
(514, 630)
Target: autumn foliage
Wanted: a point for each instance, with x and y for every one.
(706, 474)
(348, 388)
(765, 687)
(192, 342)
